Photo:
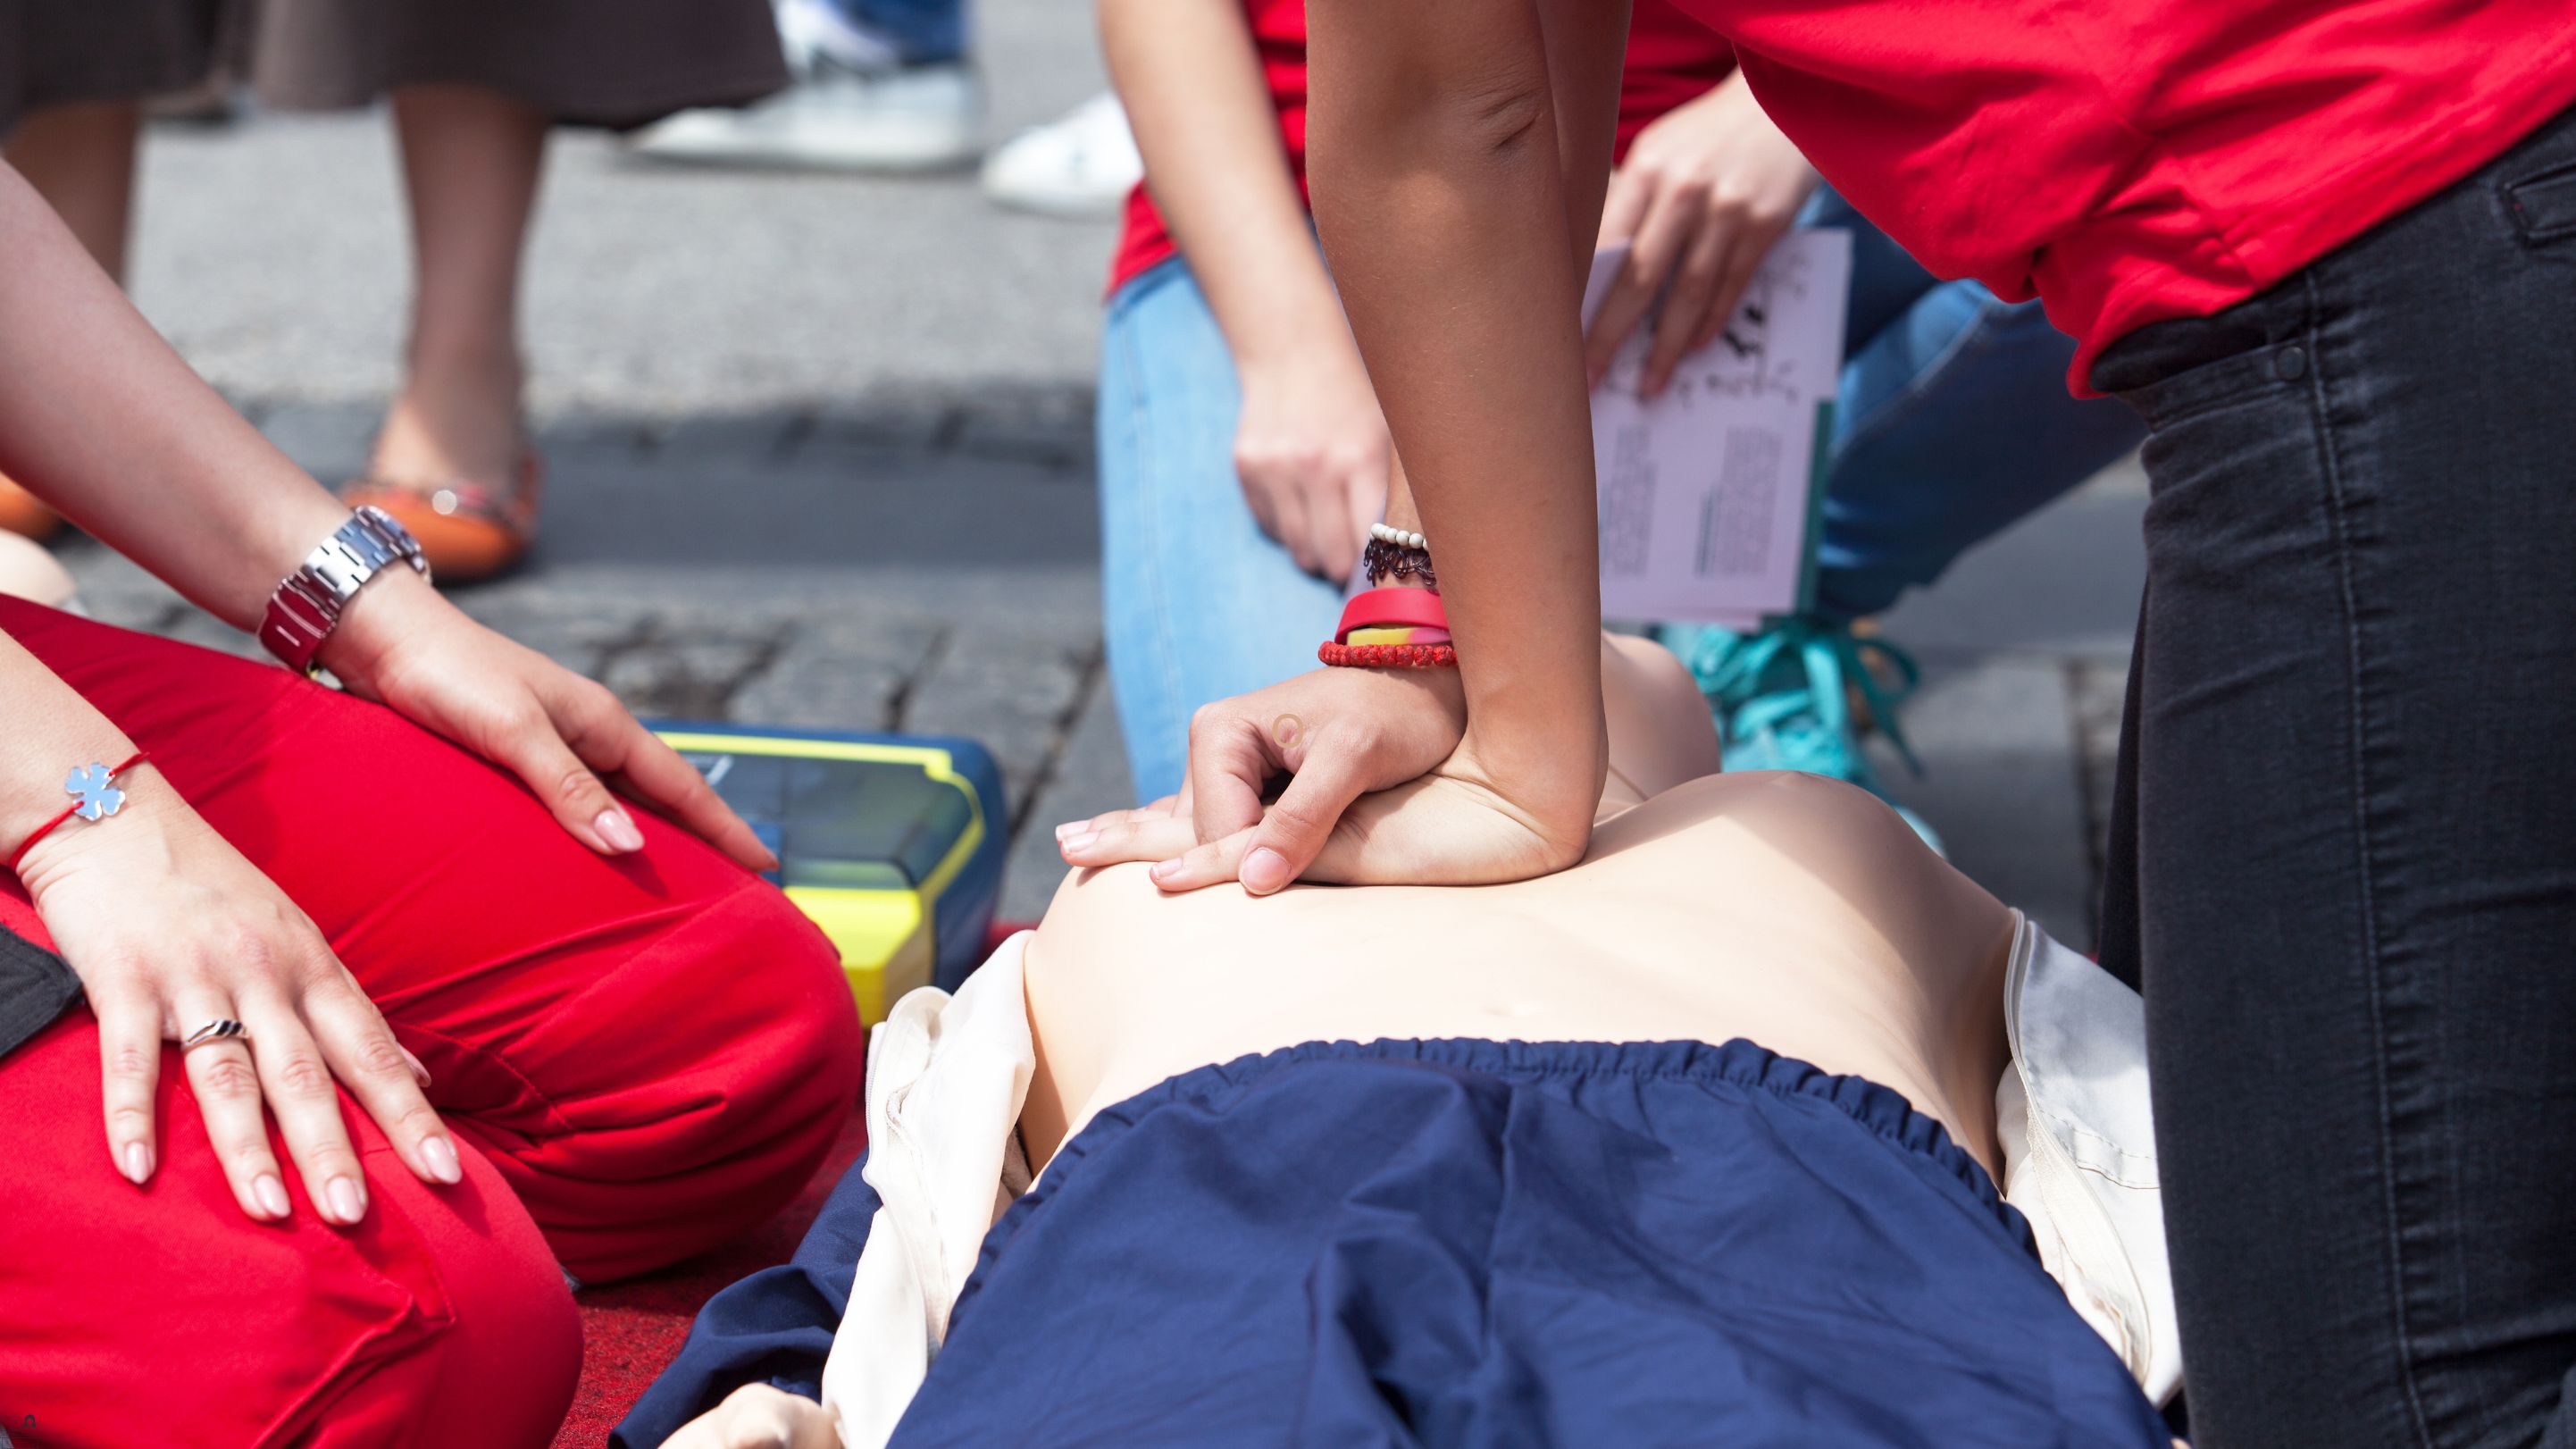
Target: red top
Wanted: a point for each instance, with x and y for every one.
(2130, 161)
(1671, 58)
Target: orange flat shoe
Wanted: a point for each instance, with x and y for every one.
(468, 531)
(21, 514)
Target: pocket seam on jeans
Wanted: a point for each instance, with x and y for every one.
(2543, 204)
(2263, 377)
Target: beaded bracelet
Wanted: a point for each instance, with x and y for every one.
(1399, 554)
(1388, 656)
(1386, 560)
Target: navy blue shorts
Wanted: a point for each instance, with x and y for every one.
(1469, 1242)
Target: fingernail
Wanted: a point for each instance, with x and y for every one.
(773, 861)
(1070, 826)
(1264, 870)
(346, 1204)
(619, 831)
(419, 1073)
(440, 1154)
(1081, 842)
(138, 1163)
(270, 1194)
(1163, 870)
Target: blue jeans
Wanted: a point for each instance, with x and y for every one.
(923, 32)
(1198, 603)
(1954, 421)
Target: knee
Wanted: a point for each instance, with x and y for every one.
(453, 1325)
(789, 1051)
(807, 1030)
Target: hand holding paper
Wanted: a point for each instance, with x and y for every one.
(1708, 488)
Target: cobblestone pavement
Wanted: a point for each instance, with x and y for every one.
(820, 452)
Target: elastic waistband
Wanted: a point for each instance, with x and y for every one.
(1882, 1111)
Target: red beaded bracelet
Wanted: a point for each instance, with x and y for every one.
(96, 799)
(1389, 656)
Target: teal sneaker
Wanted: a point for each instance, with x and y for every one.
(1782, 698)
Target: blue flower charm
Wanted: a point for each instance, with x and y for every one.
(98, 798)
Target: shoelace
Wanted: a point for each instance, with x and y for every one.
(1810, 725)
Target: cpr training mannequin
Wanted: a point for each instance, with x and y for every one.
(1473, 1168)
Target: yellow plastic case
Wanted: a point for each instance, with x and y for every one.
(891, 843)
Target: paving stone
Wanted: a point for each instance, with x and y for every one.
(615, 436)
(690, 678)
(2100, 688)
(1048, 424)
(580, 633)
(115, 589)
(889, 417)
(2064, 581)
(729, 440)
(844, 674)
(1014, 693)
(2001, 785)
(1089, 777)
(331, 441)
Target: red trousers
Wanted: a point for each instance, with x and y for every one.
(639, 1058)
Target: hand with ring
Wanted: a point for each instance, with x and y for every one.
(177, 938)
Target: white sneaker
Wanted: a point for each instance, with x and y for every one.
(850, 108)
(1081, 166)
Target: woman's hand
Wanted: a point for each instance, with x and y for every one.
(1339, 733)
(1451, 826)
(757, 1416)
(1702, 196)
(1313, 454)
(1386, 786)
(402, 645)
(169, 928)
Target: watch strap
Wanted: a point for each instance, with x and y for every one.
(308, 603)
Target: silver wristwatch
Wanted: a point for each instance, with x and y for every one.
(307, 606)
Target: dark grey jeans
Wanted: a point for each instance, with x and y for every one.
(2344, 857)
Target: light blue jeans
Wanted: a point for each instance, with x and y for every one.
(1954, 421)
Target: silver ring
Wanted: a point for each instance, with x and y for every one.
(222, 1028)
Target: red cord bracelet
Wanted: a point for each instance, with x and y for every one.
(1389, 656)
(97, 799)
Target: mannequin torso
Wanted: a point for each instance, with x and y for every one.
(1795, 911)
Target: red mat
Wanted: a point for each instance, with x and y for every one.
(630, 1331)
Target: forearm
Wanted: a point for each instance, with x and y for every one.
(1446, 196)
(101, 419)
(1191, 81)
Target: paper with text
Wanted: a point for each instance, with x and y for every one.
(1709, 492)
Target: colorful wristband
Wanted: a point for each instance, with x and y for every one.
(95, 797)
(1393, 608)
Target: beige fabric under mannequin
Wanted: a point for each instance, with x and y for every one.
(1793, 910)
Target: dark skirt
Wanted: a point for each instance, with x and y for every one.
(63, 52)
(616, 63)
